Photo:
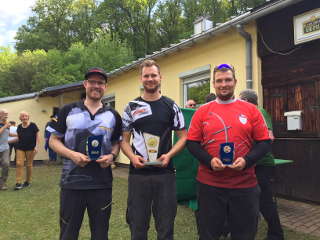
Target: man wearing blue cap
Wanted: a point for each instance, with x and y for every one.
(87, 135)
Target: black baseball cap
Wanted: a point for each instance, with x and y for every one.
(96, 70)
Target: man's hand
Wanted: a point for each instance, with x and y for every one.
(238, 164)
(164, 159)
(217, 165)
(138, 161)
(105, 160)
(80, 159)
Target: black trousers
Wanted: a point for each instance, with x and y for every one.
(240, 207)
(268, 206)
(73, 204)
(152, 193)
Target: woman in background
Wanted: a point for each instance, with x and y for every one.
(27, 145)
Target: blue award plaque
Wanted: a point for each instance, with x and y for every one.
(227, 153)
(94, 144)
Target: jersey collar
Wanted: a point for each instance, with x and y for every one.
(225, 102)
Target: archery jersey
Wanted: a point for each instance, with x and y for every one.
(234, 121)
(75, 125)
(158, 118)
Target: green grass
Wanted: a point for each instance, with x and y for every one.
(32, 213)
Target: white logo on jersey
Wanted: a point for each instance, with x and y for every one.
(243, 119)
(142, 110)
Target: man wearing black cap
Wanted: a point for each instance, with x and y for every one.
(90, 131)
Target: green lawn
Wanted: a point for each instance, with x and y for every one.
(32, 213)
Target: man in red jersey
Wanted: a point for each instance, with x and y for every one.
(227, 136)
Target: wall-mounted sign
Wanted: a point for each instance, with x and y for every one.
(307, 26)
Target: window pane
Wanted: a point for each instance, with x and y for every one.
(198, 90)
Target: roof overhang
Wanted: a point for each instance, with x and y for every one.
(183, 44)
(58, 90)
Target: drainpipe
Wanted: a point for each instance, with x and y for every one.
(247, 37)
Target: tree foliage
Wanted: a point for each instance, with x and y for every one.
(130, 21)
(37, 69)
(144, 25)
(56, 24)
(63, 38)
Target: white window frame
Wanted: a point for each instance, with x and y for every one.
(192, 76)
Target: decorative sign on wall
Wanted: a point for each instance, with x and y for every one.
(307, 26)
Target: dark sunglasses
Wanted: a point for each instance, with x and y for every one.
(224, 65)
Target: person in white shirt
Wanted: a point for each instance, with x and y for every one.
(13, 139)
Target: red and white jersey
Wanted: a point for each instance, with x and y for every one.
(234, 121)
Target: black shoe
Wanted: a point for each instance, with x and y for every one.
(18, 186)
(26, 184)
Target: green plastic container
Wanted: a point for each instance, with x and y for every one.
(186, 166)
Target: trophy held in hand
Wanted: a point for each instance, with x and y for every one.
(152, 146)
(94, 144)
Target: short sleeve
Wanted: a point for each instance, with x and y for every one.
(267, 118)
(178, 119)
(260, 129)
(60, 127)
(35, 127)
(19, 129)
(116, 135)
(127, 119)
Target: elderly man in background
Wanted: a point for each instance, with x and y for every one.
(4, 148)
(265, 172)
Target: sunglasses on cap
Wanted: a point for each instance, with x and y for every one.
(224, 65)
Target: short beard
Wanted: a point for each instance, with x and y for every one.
(94, 98)
(226, 97)
(152, 90)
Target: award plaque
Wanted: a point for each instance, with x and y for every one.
(227, 152)
(94, 144)
(152, 146)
